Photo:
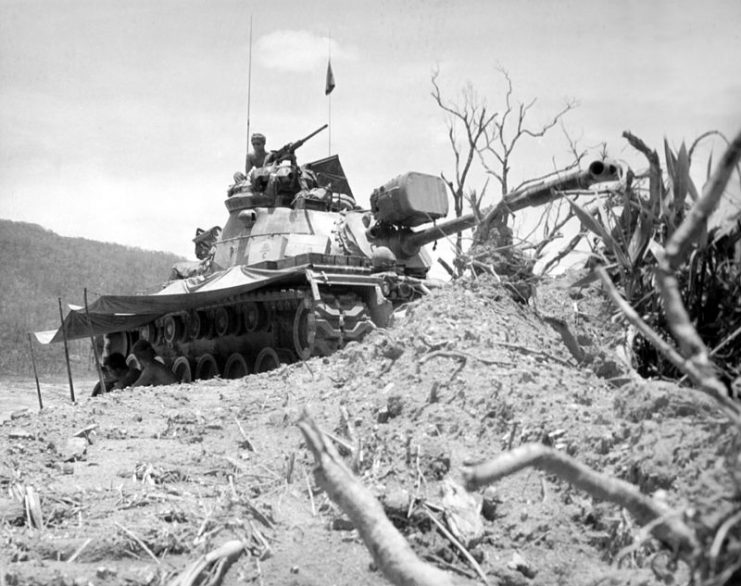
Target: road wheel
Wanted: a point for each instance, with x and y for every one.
(207, 367)
(194, 325)
(267, 359)
(118, 342)
(236, 366)
(148, 332)
(253, 316)
(173, 329)
(225, 321)
(304, 331)
(182, 370)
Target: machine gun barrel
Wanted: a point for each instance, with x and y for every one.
(291, 147)
(298, 143)
(534, 194)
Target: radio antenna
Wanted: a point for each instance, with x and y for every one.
(249, 93)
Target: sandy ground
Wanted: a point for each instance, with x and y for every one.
(168, 475)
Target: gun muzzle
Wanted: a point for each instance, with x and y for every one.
(606, 170)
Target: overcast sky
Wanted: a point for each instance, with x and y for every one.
(124, 121)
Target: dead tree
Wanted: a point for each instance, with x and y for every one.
(503, 135)
(471, 119)
(487, 141)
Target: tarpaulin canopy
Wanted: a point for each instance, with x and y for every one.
(115, 313)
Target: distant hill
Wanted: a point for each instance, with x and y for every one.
(39, 266)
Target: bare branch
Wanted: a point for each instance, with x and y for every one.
(390, 551)
(671, 530)
(570, 105)
(563, 253)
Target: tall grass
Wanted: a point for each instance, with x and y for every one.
(633, 227)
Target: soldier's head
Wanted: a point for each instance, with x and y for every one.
(258, 140)
(143, 351)
(205, 240)
(115, 364)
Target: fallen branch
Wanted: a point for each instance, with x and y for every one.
(672, 530)
(453, 568)
(390, 551)
(720, 537)
(209, 569)
(345, 422)
(139, 541)
(307, 367)
(462, 356)
(562, 328)
(448, 268)
(340, 442)
(311, 493)
(33, 508)
(245, 440)
(458, 545)
(86, 432)
(79, 550)
(527, 350)
(264, 551)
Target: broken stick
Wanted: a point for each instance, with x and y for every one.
(672, 530)
(219, 560)
(390, 551)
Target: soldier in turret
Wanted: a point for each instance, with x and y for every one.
(256, 158)
(205, 240)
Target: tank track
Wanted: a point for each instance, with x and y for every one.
(340, 319)
(264, 328)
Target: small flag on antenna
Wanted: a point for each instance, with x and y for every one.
(329, 85)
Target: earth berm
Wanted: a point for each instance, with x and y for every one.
(159, 477)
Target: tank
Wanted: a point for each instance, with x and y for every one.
(298, 269)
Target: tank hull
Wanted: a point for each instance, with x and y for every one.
(317, 304)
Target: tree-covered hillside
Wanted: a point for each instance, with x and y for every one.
(40, 266)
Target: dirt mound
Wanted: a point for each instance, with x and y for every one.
(174, 472)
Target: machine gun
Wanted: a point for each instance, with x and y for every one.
(288, 151)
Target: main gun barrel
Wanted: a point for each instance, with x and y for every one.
(531, 195)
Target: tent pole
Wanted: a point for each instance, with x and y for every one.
(66, 352)
(101, 378)
(35, 373)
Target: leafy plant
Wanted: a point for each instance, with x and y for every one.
(632, 230)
